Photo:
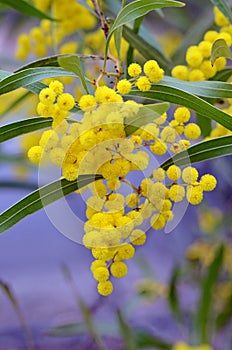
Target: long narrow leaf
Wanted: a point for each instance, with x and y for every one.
(12, 298)
(41, 198)
(222, 75)
(205, 125)
(26, 8)
(173, 297)
(218, 147)
(209, 89)
(37, 86)
(225, 316)
(146, 340)
(135, 10)
(205, 302)
(127, 333)
(67, 330)
(177, 96)
(52, 61)
(145, 49)
(4, 74)
(30, 76)
(22, 127)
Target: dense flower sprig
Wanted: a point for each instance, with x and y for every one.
(119, 210)
(197, 57)
(41, 39)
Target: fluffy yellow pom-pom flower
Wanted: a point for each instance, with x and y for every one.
(176, 193)
(143, 84)
(57, 87)
(182, 115)
(87, 102)
(134, 70)
(173, 172)
(35, 154)
(119, 269)
(190, 175)
(101, 274)
(180, 72)
(96, 264)
(192, 131)
(153, 71)
(47, 96)
(159, 174)
(208, 182)
(158, 221)
(124, 86)
(194, 194)
(194, 56)
(66, 101)
(105, 288)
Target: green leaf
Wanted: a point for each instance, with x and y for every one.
(18, 184)
(26, 8)
(173, 298)
(147, 340)
(72, 63)
(145, 49)
(52, 61)
(209, 89)
(140, 8)
(29, 76)
(12, 298)
(130, 52)
(135, 10)
(86, 311)
(206, 298)
(220, 49)
(177, 96)
(22, 127)
(67, 330)
(127, 333)
(145, 115)
(224, 8)
(225, 316)
(37, 86)
(118, 40)
(79, 328)
(4, 74)
(34, 87)
(210, 149)
(41, 198)
(205, 124)
(222, 75)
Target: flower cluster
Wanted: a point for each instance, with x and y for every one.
(108, 142)
(153, 74)
(48, 35)
(198, 61)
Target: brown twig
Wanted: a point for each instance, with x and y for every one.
(100, 14)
